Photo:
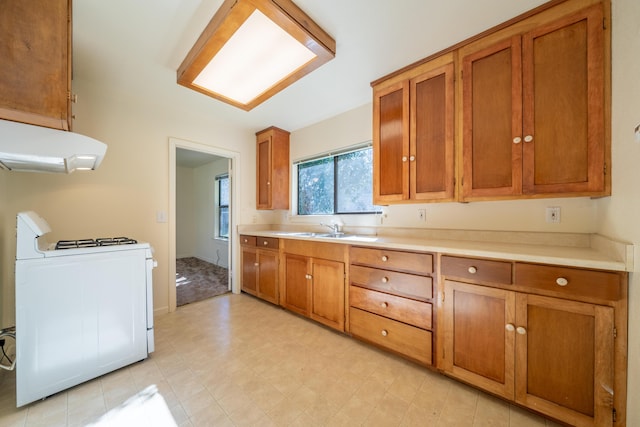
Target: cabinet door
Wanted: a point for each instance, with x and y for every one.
(564, 101)
(263, 172)
(492, 121)
(268, 276)
(327, 300)
(297, 284)
(431, 140)
(565, 359)
(479, 336)
(249, 261)
(391, 143)
(35, 76)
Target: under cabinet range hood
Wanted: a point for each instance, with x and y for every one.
(29, 148)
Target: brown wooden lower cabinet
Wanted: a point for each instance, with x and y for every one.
(260, 268)
(549, 354)
(314, 287)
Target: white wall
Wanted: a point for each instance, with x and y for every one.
(208, 247)
(123, 196)
(195, 213)
(185, 226)
(578, 214)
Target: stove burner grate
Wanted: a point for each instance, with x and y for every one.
(90, 243)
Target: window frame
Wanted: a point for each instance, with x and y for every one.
(334, 155)
(219, 208)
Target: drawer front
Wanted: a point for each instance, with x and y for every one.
(395, 336)
(267, 242)
(393, 260)
(569, 281)
(392, 282)
(477, 269)
(247, 240)
(405, 310)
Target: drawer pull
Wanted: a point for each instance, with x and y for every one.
(384, 305)
(561, 281)
(521, 330)
(384, 333)
(509, 327)
(265, 243)
(385, 258)
(472, 270)
(385, 279)
(246, 240)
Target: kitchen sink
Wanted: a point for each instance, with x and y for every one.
(345, 236)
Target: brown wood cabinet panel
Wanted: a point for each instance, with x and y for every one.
(432, 135)
(297, 284)
(35, 76)
(572, 282)
(565, 359)
(477, 347)
(249, 262)
(391, 143)
(398, 337)
(492, 118)
(268, 276)
(401, 309)
(480, 270)
(247, 240)
(411, 262)
(272, 169)
(314, 249)
(402, 284)
(268, 242)
(327, 298)
(563, 78)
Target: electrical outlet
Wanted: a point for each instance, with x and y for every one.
(422, 215)
(553, 214)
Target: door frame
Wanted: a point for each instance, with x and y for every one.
(234, 169)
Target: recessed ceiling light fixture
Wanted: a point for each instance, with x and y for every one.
(253, 49)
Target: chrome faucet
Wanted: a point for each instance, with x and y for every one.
(335, 227)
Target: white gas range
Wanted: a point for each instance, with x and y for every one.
(83, 308)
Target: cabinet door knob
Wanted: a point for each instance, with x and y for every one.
(472, 270)
(517, 140)
(307, 276)
(268, 182)
(384, 305)
(561, 281)
(404, 158)
(509, 327)
(246, 241)
(528, 138)
(385, 258)
(521, 330)
(385, 279)
(256, 264)
(412, 158)
(384, 333)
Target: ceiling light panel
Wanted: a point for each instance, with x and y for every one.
(252, 49)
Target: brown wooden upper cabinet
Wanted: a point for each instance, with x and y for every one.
(35, 76)
(533, 107)
(272, 169)
(531, 114)
(413, 135)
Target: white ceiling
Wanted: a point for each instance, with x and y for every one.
(136, 46)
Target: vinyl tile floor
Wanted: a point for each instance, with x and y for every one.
(234, 360)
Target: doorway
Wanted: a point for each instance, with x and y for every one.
(201, 236)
